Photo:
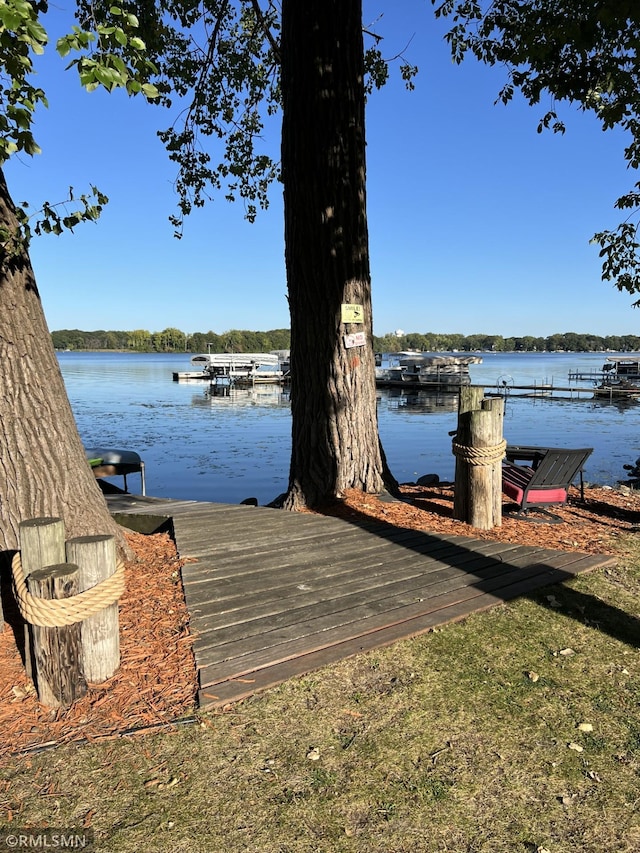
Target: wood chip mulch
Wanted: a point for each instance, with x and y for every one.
(155, 684)
(593, 526)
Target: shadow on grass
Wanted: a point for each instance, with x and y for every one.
(591, 611)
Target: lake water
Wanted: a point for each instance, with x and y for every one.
(227, 448)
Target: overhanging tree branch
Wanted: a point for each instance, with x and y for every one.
(580, 53)
(275, 47)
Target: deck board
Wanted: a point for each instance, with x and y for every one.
(377, 605)
(332, 582)
(272, 594)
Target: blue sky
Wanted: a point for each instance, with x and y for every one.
(477, 223)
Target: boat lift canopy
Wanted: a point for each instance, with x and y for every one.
(234, 360)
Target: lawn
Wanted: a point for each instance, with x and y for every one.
(516, 730)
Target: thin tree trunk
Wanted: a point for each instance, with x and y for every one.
(335, 443)
(43, 470)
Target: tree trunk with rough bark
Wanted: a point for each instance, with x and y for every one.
(43, 469)
(333, 396)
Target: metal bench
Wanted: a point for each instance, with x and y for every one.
(546, 480)
(107, 462)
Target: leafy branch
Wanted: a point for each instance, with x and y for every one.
(50, 219)
(588, 58)
(119, 59)
(232, 86)
(111, 55)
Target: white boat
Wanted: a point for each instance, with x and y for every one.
(424, 370)
(237, 367)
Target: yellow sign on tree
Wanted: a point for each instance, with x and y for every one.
(352, 313)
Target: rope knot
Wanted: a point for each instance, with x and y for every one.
(479, 455)
(66, 611)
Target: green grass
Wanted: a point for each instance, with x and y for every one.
(455, 741)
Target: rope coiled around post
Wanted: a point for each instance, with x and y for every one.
(65, 611)
(480, 455)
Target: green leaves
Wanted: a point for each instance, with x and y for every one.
(51, 219)
(620, 259)
(77, 39)
(231, 83)
(579, 53)
(21, 36)
(112, 55)
(230, 80)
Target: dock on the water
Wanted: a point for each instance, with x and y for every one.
(273, 594)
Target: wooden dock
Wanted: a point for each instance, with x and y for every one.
(273, 594)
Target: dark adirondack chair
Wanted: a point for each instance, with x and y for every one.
(545, 481)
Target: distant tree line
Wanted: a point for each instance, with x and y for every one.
(560, 342)
(236, 340)
(172, 340)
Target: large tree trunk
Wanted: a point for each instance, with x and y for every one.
(43, 470)
(333, 395)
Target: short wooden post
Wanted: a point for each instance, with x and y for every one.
(478, 483)
(57, 650)
(96, 558)
(41, 544)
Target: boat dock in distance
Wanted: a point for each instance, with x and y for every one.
(618, 380)
(239, 368)
(423, 370)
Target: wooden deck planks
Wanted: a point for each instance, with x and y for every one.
(356, 613)
(299, 564)
(283, 588)
(301, 656)
(273, 594)
(381, 579)
(282, 585)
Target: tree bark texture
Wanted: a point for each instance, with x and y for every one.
(335, 443)
(43, 469)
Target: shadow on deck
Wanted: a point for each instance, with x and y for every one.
(273, 594)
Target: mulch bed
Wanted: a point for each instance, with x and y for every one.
(156, 685)
(591, 527)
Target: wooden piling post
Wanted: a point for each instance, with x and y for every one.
(495, 405)
(479, 448)
(96, 558)
(57, 651)
(469, 400)
(41, 544)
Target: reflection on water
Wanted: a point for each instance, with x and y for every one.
(420, 402)
(225, 395)
(619, 403)
(232, 445)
